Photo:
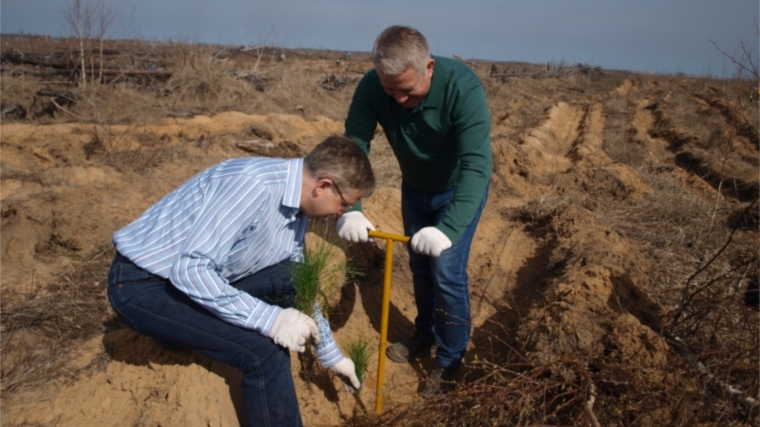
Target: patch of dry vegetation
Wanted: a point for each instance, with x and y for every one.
(703, 248)
(42, 326)
(152, 80)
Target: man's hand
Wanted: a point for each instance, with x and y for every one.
(353, 226)
(346, 371)
(292, 329)
(430, 241)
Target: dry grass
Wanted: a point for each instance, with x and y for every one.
(514, 394)
(618, 142)
(48, 323)
(203, 80)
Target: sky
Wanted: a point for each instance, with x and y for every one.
(655, 36)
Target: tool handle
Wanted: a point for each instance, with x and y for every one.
(389, 239)
(389, 236)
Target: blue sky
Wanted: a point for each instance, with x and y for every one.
(660, 36)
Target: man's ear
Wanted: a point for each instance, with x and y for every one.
(321, 185)
(430, 66)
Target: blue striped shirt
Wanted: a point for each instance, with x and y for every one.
(228, 222)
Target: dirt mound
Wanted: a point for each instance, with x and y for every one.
(613, 222)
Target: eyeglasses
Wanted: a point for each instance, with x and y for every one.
(343, 201)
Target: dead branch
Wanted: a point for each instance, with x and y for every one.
(153, 73)
(686, 296)
(17, 110)
(745, 63)
(588, 407)
(69, 112)
(680, 347)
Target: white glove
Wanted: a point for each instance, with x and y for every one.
(352, 226)
(292, 328)
(346, 370)
(430, 241)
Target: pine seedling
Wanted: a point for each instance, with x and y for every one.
(359, 351)
(317, 276)
(305, 277)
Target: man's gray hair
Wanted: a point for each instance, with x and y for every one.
(398, 48)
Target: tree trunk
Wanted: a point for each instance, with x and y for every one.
(84, 63)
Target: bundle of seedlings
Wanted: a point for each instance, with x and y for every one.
(315, 278)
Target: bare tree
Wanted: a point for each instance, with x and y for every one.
(88, 18)
(128, 29)
(104, 17)
(78, 17)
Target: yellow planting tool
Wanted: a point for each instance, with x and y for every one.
(389, 239)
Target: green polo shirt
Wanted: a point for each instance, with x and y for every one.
(443, 142)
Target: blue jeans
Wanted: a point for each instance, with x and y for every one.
(441, 289)
(152, 306)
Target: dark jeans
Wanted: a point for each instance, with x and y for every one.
(441, 288)
(152, 306)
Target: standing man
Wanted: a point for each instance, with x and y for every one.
(207, 268)
(434, 113)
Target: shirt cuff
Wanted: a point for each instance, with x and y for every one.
(262, 318)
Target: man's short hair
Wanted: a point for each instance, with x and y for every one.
(398, 48)
(343, 161)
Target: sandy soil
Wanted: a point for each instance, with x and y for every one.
(549, 274)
